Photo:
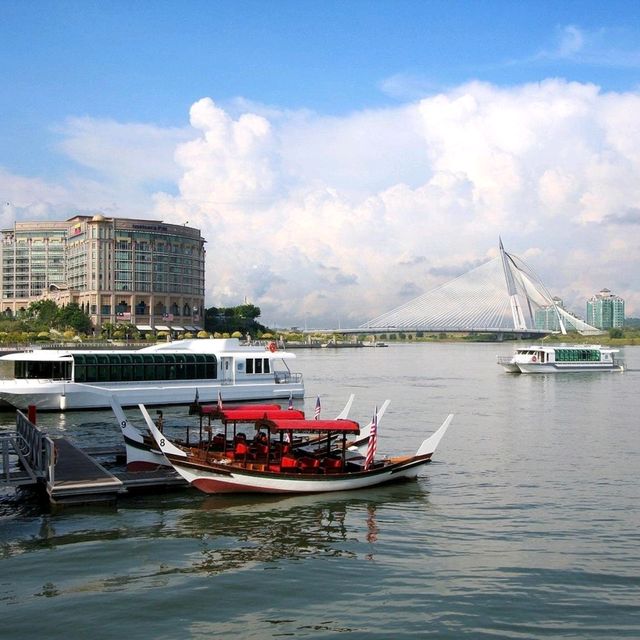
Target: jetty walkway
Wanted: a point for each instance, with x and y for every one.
(69, 475)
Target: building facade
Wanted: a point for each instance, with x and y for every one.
(605, 310)
(546, 318)
(144, 272)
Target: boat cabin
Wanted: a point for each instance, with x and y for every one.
(573, 354)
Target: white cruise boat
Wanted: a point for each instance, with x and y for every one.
(162, 374)
(561, 358)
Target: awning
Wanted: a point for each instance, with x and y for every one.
(216, 411)
(143, 327)
(253, 415)
(176, 328)
(335, 426)
(190, 328)
(161, 327)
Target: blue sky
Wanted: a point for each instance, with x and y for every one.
(341, 97)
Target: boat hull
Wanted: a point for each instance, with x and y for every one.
(142, 457)
(223, 478)
(59, 396)
(537, 367)
(509, 365)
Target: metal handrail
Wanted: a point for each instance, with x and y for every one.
(35, 443)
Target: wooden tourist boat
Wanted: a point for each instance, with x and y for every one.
(143, 454)
(161, 374)
(277, 468)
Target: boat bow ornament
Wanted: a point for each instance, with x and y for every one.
(500, 295)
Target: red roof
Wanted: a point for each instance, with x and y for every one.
(213, 408)
(253, 415)
(336, 426)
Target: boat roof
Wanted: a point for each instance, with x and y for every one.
(216, 411)
(336, 426)
(46, 355)
(217, 346)
(562, 345)
(255, 415)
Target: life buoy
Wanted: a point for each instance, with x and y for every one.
(272, 346)
(534, 359)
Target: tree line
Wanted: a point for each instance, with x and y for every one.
(45, 315)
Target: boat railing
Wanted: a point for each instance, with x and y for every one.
(286, 377)
(504, 359)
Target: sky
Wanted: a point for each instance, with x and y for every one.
(339, 157)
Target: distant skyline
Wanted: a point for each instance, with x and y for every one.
(340, 158)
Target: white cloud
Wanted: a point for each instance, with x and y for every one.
(29, 198)
(124, 152)
(614, 48)
(326, 218)
(571, 42)
(323, 220)
(407, 86)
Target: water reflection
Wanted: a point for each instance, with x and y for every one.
(271, 529)
(233, 531)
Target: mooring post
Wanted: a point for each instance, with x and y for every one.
(31, 413)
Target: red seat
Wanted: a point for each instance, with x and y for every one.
(288, 463)
(332, 465)
(308, 465)
(241, 452)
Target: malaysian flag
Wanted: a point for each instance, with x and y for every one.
(219, 401)
(290, 407)
(316, 414)
(373, 441)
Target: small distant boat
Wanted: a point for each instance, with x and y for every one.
(277, 468)
(561, 358)
(374, 343)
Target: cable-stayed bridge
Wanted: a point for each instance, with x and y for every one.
(501, 296)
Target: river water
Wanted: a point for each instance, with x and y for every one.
(526, 525)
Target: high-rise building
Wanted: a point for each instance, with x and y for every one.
(605, 310)
(145, 272)
(546, 318)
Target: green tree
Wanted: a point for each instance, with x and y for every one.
(71, 316)
(242, 318)
(42, 314)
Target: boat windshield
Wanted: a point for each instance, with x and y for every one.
(42, 369)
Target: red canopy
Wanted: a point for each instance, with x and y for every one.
(275, 423)
(250, 414)
(213, 408)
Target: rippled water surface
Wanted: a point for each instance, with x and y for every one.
(526, 525)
